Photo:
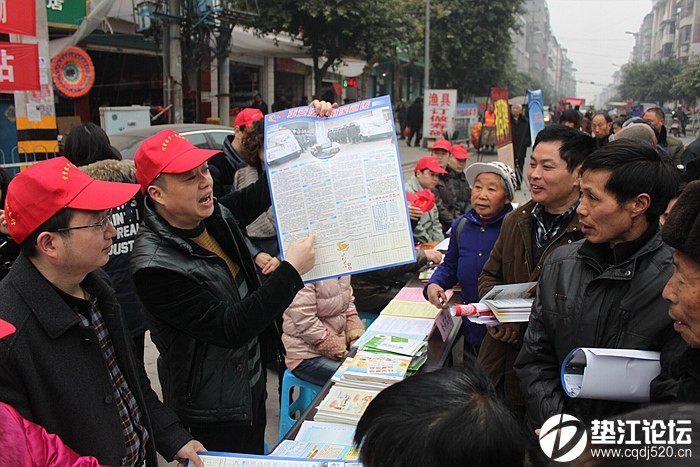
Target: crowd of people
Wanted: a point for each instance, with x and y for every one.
(182, 242)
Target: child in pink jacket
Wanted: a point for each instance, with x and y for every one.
(319, 327)
(26, 444)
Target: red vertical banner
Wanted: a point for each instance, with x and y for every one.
(19, 67)
(18, 17)
(499, 97)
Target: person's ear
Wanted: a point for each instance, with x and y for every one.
(155, 193)
(48, 243)
(640, 204)
(578, 173)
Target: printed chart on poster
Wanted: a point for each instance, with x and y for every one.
(339, 177)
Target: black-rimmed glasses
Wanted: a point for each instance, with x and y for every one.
(102, 224)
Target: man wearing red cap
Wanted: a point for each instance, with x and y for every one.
(197, 281)
(70, 366)
(452, 189)
(425, 177)
(223, 165)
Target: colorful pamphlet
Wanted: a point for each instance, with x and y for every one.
(382, 368)
(395, 344)
(315, 450)
(344, 405)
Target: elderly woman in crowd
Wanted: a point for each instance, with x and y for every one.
(473, 237)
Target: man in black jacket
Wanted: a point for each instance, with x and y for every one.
(70, 366)
(604, 291)
(206, 306)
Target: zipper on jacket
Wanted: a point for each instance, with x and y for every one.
(623, 320)
(190, 383)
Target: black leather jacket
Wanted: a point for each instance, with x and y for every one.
(205, 331)
(580, 303)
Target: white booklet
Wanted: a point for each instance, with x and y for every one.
(340, 177)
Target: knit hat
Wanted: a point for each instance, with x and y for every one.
(504, 170)
(682, 227)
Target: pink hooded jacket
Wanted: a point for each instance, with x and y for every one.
(321, 321)
(26, 444)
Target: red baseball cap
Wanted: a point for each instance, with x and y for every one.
(460, 152)
(38, 193)
(442, 144)
(429, 162)
(6, 328)
(167, 152)
(247, 116)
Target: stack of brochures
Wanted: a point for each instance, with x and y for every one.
(344, 404)
(399, 345)
(396, 344)
(511, 303)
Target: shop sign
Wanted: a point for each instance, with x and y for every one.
(19, 67)
(18, 17)
(68, 13)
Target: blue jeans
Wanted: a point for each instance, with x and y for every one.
(316, 370)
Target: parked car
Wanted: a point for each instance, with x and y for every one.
(201, 135)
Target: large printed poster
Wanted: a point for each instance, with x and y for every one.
(339, 177)
(499, 97)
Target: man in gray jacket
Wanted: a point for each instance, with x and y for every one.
(604, 291)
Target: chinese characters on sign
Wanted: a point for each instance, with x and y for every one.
(340, 178)
(439, 112)
(18, 17)
(19, 67)
(55, 5)
(499, 97)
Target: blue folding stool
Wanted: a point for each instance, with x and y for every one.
(289, 406)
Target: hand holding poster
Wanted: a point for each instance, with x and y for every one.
(340, 178)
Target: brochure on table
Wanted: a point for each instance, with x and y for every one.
(343, 182)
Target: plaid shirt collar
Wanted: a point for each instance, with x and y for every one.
(135, 434)
(543, 235)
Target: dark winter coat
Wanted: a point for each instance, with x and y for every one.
(53, 371)
(205, 331)
(583, 303)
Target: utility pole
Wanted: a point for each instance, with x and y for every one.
(175, 62)
(426, 71)
(35, 111)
